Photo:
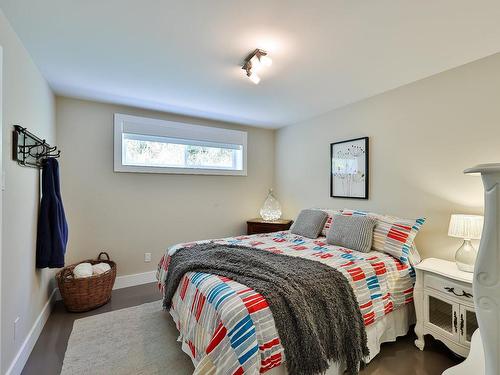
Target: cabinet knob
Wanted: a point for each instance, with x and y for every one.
(462, 324)
(455, 323)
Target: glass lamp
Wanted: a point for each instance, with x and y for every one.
(271, 209)
(467, 227)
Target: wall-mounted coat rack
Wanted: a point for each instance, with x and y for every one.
(29, 150)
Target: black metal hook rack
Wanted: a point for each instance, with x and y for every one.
(29, 150)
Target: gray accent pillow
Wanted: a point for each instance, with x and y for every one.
(309, 223)
(352, 232)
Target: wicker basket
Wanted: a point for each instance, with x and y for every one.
(86, 293)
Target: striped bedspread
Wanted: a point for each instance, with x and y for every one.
(228, 328)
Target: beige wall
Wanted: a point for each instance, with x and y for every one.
(422, 136)
(129, 214)
(28, 101)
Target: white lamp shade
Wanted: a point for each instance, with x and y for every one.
(468, 227)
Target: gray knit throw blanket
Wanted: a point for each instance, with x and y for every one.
(314, 307)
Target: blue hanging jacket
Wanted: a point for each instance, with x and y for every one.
(52, 235)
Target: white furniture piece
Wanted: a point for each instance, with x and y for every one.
(444, 305)
(487, 269)
(474, 363)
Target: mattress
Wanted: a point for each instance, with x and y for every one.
(228, 328)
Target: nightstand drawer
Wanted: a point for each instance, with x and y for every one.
(256, 226)
(262, 228)
(456, 289)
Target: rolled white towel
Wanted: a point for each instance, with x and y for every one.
(100, 268)
(82, 270)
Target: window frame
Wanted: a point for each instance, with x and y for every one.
(145, 126)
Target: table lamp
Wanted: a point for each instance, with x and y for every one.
(271, 209)
(467, 227)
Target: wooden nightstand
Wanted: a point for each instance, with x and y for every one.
(255, 226)
(444, 305)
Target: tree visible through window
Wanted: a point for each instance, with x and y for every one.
(210, 156)
(169, 154)
(147, 145)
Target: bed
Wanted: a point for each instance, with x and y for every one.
(209, 310)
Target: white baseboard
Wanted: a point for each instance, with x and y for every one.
(24, 352)
(17, 365)
(135, 279)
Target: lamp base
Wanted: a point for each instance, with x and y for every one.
(465, 257)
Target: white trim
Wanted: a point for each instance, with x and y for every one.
(170, 129)
(19, 361)
(134, 279)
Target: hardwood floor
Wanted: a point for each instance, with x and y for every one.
(48, 354)
(400, 357)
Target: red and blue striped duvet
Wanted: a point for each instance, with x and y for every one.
(228, 328)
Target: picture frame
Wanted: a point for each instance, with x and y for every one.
(349, 168)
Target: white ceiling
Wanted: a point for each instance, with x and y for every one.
(184, 56)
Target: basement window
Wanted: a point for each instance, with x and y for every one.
(146, 145)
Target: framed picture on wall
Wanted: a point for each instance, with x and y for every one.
(349, 169)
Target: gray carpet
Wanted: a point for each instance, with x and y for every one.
(137, 340)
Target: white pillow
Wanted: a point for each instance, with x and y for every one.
(100, 268)
(82, 270)
(392, 235)
(414, 256)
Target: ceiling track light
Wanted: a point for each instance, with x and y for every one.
(254, 63)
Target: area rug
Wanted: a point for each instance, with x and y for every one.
(137, 340)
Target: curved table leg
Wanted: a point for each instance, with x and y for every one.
(418, 300)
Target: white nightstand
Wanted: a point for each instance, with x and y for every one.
(444, 305)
